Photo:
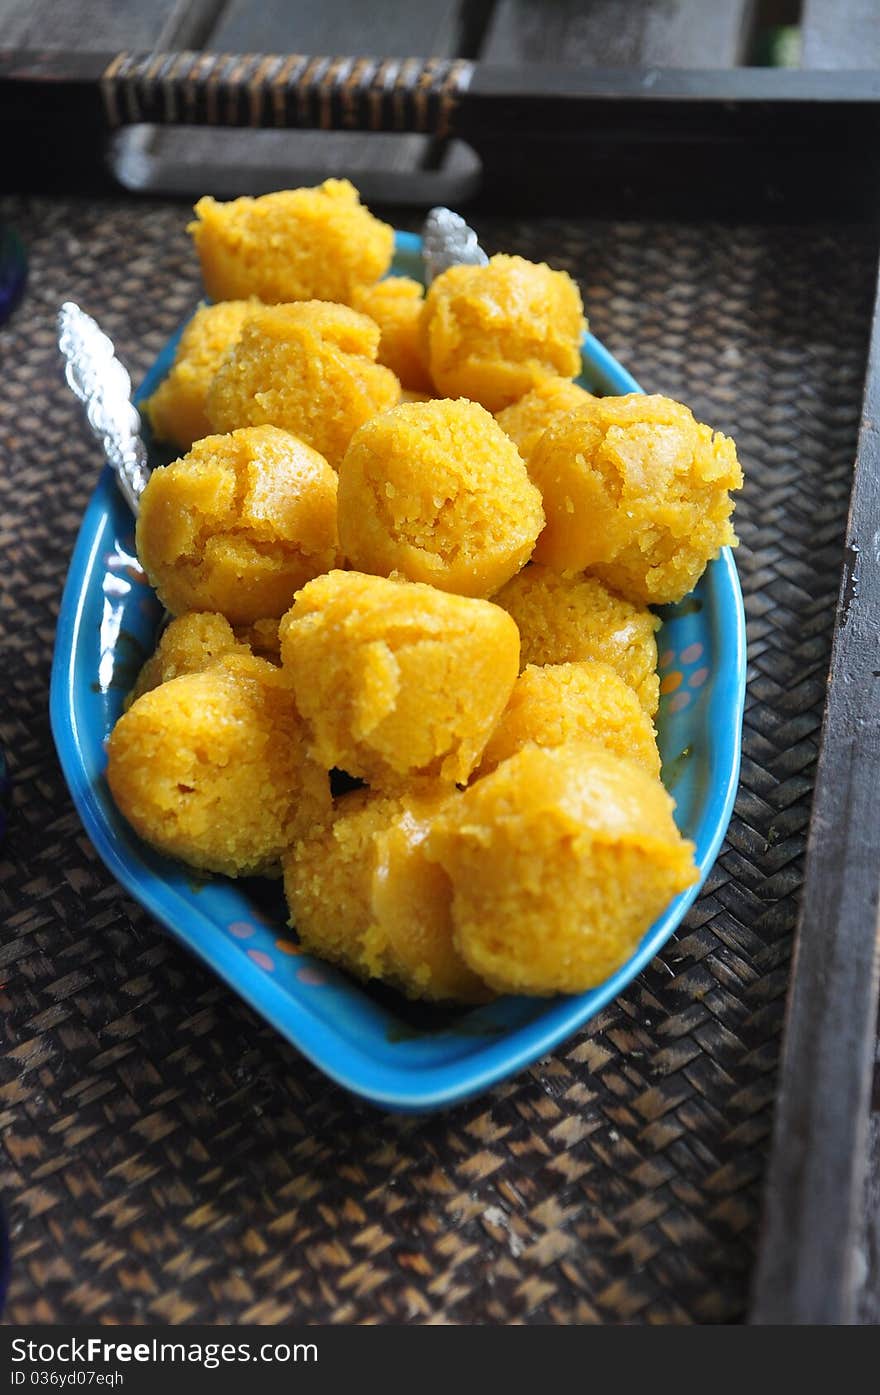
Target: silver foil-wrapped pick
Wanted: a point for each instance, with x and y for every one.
(448, 241)
(102, 384)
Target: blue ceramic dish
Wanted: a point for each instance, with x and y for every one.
(396, 1054)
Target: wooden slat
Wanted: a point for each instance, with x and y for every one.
(87, 25)
(394, 28)
(840, 34)
(869, 1299)
(811, 1264)
(608, 34)
(189, 25)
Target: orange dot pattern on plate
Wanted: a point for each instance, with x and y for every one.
(309, 975)
(242, 929)
(671, 682)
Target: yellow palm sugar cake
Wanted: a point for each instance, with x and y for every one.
(238, 524)
(261, 637)
(362, 894)
(212, 768)
(396, 306)
(493, 332)
(177, 409)
(309, 368)
(567, 618)
(396, 679)
(526, 421)
(557, 703)
(189, 644)
(560, 860)
(297, 244)
(436, 492)
(636, 491)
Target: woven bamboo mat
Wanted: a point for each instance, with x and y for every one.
(165, 1156)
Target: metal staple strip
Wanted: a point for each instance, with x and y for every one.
(455, 85)
(194, 87)
(383, 83)
(238, 79)
(287, 75)
(178, 71)
(355, 91)
(307, 86)
(108, 89)
(401, 100)
(331, 85)
(260, 86)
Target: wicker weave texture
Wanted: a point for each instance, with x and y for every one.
(166, 1157)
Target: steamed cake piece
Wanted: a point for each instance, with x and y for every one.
(526, 421)
(636, 491)
(396, 306)
(573, 702)
(309, 368)
(493, 332)
(239, 524)
(212, 768)
(436, 492)
(297, 244)
(261, 637)
(189, 644)
(363, 895)
(177, 409)
(396, 679)
(560, 860)
(569, 618)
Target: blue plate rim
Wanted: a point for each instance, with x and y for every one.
(435, 1086)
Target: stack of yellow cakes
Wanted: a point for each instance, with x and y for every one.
(372, 573)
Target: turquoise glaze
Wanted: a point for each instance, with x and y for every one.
(396, 1054)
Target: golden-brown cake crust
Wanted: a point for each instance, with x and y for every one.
(238, 524)
(298, 244)
(435, 492)
(396, 679)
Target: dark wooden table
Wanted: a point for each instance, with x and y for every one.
(656, 1216)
